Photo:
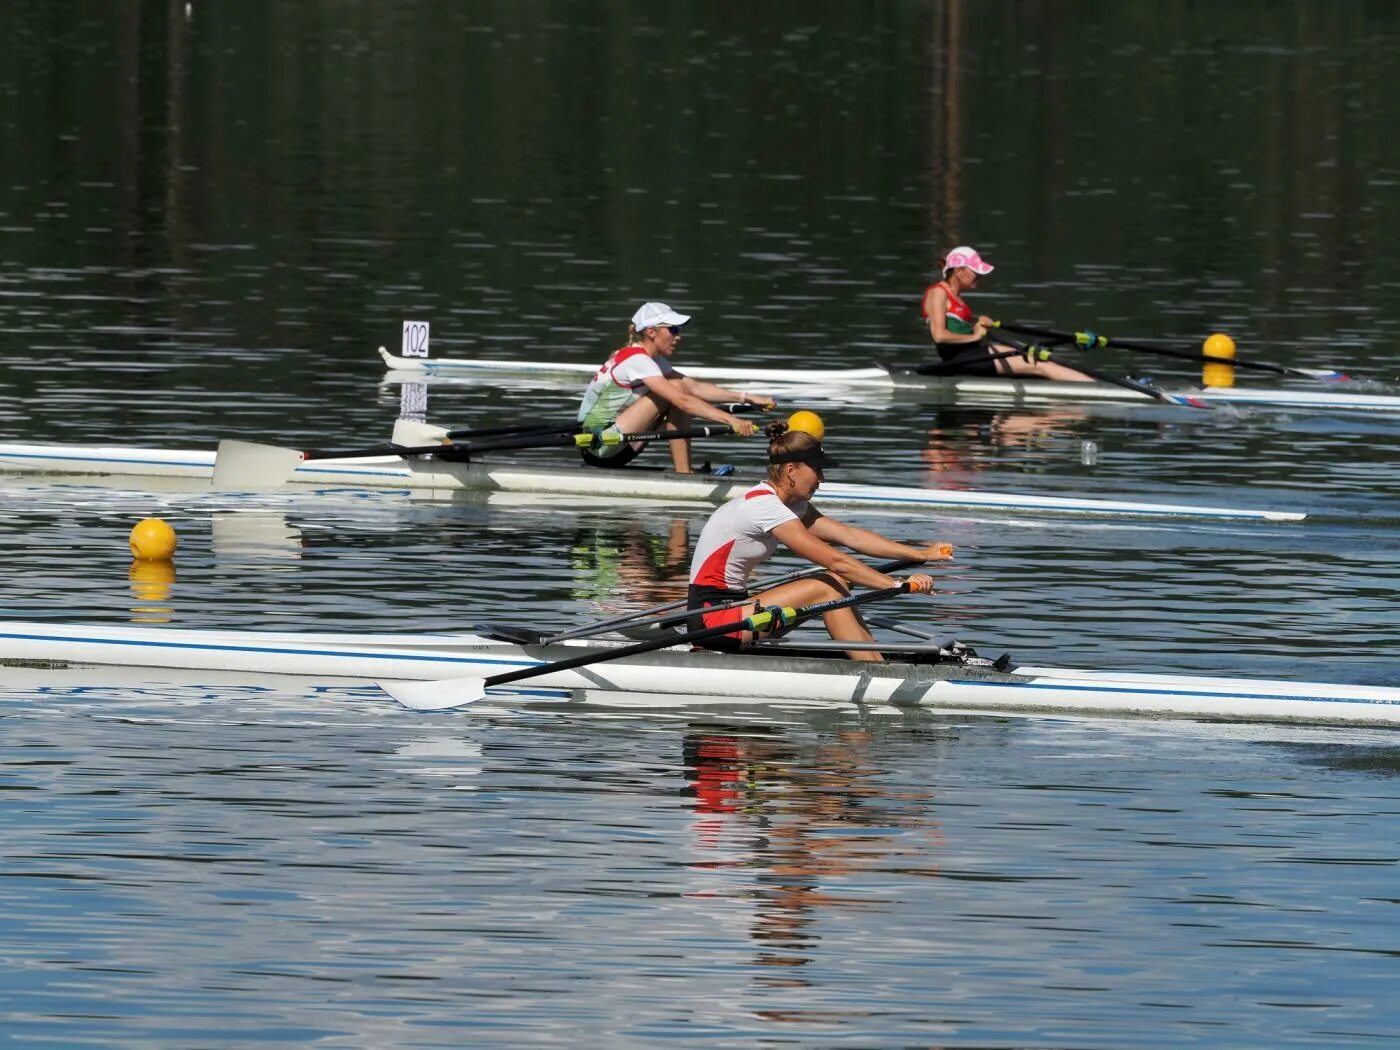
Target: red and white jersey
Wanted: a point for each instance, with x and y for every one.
(739, 537)
(618, 383)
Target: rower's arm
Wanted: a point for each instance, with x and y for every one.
(874, 544)
(674, 394)
(714, 392)
(805, 543)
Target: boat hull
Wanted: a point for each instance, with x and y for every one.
(678, 677)
(436, 475)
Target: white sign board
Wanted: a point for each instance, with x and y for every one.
(415, 339)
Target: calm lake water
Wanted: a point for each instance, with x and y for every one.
(211, 215)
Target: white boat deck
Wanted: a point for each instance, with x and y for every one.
(436, 475)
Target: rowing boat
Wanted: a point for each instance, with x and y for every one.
(419, 474)
(673, 677)
(1019, 391)
(818, 376)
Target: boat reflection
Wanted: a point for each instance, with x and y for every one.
(803, 822)
(619, 566)
(962, 443)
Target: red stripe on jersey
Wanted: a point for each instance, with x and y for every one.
(626, 353)
(711, 573)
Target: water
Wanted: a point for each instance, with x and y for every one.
(211, 220)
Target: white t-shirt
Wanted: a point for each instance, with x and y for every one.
(618, 383)
(739, 537)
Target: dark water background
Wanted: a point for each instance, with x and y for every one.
(211, 215)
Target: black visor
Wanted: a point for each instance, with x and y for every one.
(813, 457)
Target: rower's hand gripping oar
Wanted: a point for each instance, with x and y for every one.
(455, 692)
(1090, 340)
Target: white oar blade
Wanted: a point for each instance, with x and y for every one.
(242, 465)
(436, 696)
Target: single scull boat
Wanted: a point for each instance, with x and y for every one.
(1033, 391)
(438, 475)
(677, 677)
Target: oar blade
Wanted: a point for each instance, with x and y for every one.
(436, 695)
(1330, 374)
(242, 465)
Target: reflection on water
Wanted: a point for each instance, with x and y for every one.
(254, 539)
(630, 564)
(800, 823)
(962, 443)
(151, 583)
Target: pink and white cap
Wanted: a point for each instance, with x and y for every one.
(965, 256)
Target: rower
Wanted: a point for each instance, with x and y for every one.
(744, 533)
(637, 387)
(962, 339)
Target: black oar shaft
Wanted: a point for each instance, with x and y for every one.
(1094, 373)
(1083, 339)
(531, 428)
(756, 621)
(953, 364)
(538, 439)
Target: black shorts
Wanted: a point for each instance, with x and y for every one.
(623, 456)
(970, 357)
(697, 598)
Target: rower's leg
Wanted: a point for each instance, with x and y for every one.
(641, 415)
(1020, 367)
(680, 450)
(844, 625)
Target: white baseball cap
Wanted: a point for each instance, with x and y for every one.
(652, 315)
(965, 256)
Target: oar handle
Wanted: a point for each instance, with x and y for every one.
(759, 621)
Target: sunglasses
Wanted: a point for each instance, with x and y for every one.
(674, 329)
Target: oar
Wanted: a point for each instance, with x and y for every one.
(531, 428)
(662, 613)
(939, 368)
(1112, 380)
(454, 692)
(251, 465)
(1090, 340)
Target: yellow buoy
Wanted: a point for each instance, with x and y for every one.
(808, 423)
(152, 540)
(1217, 373)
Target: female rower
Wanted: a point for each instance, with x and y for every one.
(958, 336)
(745, 532)
(637, 387)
